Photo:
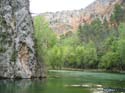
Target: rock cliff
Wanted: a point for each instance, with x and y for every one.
(65, 21)
(17, 54)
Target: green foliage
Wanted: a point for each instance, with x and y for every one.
(122, 30)
(90, 58)
(55, 57)
(122, 27)
(109, 61)
(96, 32)
(118, 14)
(94, 46)
(114, 51)
(44, 36)
(71, 40)
(121, 45)
(108, 41)
(75, 57)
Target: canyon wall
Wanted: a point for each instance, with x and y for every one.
(66, 21)
(17, 53)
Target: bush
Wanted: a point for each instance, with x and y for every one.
(109, 61)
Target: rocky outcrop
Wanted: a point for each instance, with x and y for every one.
(17, 54)
(65, 21)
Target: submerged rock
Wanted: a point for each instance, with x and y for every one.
(17, 53)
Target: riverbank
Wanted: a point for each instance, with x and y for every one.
(91, 70)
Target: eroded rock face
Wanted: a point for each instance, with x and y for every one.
(17, 54)
(69, 21)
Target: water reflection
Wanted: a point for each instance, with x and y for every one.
(21, 86)
(67, 82)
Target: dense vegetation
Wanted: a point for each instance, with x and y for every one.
(44, 37)
(99, 45)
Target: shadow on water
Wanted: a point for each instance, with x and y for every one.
(67, 82)
(21, 86)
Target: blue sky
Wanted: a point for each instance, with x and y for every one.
(40, 6)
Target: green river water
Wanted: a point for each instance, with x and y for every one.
(68, 82)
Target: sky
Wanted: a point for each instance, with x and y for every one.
(41, 6)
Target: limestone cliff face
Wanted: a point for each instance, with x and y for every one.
(17, 54)
(65, 21)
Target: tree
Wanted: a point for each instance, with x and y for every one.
(71, 40)
(55, 57)
(118, 14)
(44, 36)
(90, 56)
(109, 61)
(122, 44)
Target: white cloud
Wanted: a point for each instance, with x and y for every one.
(40, 6)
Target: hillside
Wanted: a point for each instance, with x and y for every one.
(66, 21)
(97, 44)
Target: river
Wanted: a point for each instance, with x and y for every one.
(61, 81)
